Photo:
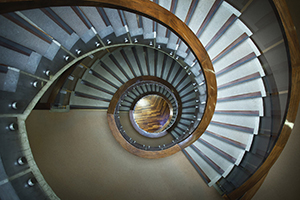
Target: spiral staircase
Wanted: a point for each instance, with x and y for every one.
(227, 120)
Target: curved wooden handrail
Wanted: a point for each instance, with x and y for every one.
(124, 87)
(116, 133)
(159, 14)
(138, 152)
(294, 97)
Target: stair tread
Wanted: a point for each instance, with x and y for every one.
(255, 85)
(229, 36)
(92, 91)
(114, 68)
(69, 16)
(246, 69)
(243, 104)
(116, 21)
(222, 162)
(252, 122)
(235, 55)
(148, 28)
(217, 21)
(225, 146)
(52, 28)
(122, 62)
(205, 167)
(75, 100)
(16, 34)
(236, 135)
(134, 28)
(104, 73)
(90, 78)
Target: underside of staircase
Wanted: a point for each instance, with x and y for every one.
(231, 91)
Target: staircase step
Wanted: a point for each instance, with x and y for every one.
(87, 101)
(251, 86)
(151, 59)
(89, 96)
(240, 97)
(218, 20)
(208, 171)
(196, 70)
(101, 70)
(249, 124)
(128, 62)
(148, 28)
(225, 166)
(167, 67)
(207, 159)
(173, 70)
(198, 169)
(113, 71)
(133, 25)
(181, 14)
(99, 81)
(236, 64)
(53, 25)
(22, 60)
(217, 150)
(17, 34)
(116, 22)
(233, 133)
(131, 55)
(248, 68)
(112, 64)
(102, 27)
(142, 59)
(230, 39)
(239, 80)
(221, 31)
(242, 104)
(208, 17)
(239, 55)
(231, 126)
(194, 19)
(234, 149)
(183, 80)
(88, 88)
(68, 15)
(238, 112)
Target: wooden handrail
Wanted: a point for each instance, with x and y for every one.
(116, 133)
(294, 97)
(155, 12)
(159, 14)
(134, 150)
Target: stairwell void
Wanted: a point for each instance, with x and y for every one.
(224, 69)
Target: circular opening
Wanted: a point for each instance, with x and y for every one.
(152, 113)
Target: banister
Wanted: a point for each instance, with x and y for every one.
(157, 13)
(116, 133)
(294, 98)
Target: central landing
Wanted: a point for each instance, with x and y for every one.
(152, 113)
(103, 162)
